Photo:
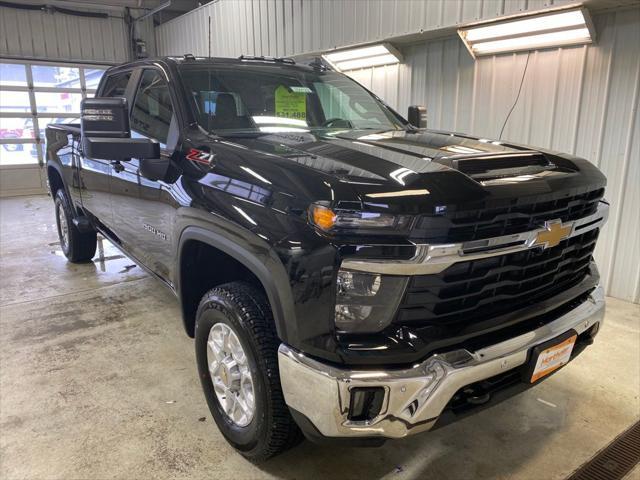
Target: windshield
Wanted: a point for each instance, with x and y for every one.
(269, 99)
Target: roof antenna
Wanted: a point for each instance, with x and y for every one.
(209, 37)
(209, 118)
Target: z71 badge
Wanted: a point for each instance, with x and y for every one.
(201, 157)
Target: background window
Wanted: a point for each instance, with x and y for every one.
(13, 74)
(53, 76)
(16, 128)
(58, 102)
(152, 110)
(19, 154)
(57, 93)
(17, 102)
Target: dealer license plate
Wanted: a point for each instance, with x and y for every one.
(552, 358)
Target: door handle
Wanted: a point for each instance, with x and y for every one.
(117, 166)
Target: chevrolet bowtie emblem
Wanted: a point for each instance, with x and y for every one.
(555, 232)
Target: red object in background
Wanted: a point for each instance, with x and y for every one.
(11, 132)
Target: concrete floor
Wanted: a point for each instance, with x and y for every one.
(98, 380)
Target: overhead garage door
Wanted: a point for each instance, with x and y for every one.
(33, 95)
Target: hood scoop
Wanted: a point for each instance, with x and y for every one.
(486, 167)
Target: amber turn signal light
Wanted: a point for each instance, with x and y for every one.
(323, 217)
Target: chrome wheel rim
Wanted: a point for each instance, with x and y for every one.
(63, 227)
(230, 374)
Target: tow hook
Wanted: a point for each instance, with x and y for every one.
(475, 396)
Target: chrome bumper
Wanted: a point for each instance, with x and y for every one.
(414, 397)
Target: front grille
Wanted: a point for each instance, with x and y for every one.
(485, 288)
(474, 224)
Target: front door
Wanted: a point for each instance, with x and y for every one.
(95, 173)
(144, 210)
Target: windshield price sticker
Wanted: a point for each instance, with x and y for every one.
(290, 104)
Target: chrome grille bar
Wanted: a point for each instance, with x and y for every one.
(430, 259)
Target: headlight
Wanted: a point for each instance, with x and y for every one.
(358, 284)
(351, 221)
(366, 302)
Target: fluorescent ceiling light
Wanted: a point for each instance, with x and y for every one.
(537, 24)
(378, 61)
(356, 53)
(580, 35)
(550, 29)
(364, 57)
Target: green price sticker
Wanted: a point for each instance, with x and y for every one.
(290, 104)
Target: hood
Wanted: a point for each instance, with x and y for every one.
(415, 171)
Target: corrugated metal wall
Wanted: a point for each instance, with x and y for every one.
(289, 27)
(56, 36)
(582, 100)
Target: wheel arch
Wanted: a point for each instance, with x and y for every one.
(55, 178)
(269, 274)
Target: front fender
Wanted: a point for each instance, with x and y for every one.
(258, 257)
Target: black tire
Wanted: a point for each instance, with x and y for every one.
(245, 309)
(78, 247)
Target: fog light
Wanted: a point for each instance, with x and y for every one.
(366, 403)
(350, 315)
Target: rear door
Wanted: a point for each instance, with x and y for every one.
(95, 173)
(144, 210)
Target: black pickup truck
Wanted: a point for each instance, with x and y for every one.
(345, 274)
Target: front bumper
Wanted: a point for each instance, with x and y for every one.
(415, 397)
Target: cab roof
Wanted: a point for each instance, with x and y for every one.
(189, 59)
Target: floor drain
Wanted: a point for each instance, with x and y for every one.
(615, 460)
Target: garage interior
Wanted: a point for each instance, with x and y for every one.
(96, 373)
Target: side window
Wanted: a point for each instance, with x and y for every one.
(116, 85)
(152, 110)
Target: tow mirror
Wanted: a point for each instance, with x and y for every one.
(120, 148)
(105, 131)
(417, 116)
(105, 117)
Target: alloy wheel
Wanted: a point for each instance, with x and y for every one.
(230, 374)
